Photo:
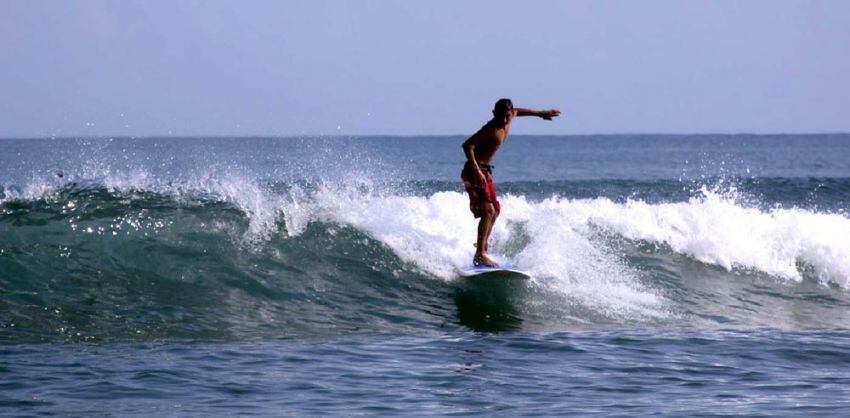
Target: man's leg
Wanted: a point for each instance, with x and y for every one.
(488, 216)
(490, 230)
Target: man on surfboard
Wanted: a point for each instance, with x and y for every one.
(477, 173)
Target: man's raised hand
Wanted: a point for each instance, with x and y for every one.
(549, 114)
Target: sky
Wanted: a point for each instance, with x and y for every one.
(302, 68)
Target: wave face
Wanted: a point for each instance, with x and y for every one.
(108, 252)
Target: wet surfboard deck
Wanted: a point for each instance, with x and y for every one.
(503, 270)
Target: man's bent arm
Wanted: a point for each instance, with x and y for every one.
(469, 151)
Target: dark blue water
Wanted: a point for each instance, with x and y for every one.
(680, 275)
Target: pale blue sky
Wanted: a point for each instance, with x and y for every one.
(428, 67)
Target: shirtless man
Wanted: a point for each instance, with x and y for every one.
(477, 172)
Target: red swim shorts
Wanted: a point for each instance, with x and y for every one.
(479, 195)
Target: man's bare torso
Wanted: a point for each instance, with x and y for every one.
(494, 137)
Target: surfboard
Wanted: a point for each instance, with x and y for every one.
(503, 270)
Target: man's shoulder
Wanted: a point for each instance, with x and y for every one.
(491, 127)
(494, 128)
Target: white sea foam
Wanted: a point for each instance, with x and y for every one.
(261, 207)
(38, 187)
(714, 229)
(561, 242)
(436, 233)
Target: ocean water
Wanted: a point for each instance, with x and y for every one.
(672, 274)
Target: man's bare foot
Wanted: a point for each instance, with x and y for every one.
(484, 260)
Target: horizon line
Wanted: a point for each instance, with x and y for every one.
(254, 136)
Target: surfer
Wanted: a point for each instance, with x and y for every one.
(477, 173)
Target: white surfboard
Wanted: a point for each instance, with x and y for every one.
(503, 270)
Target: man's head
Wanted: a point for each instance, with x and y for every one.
(503, 111)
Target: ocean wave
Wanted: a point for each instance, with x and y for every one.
(134, 255)
(712, 226)
(434, 231)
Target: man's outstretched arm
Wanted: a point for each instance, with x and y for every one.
(545, 114)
